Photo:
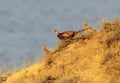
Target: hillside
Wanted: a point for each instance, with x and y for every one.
(90, 57)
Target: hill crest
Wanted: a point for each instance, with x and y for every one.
(91, 57)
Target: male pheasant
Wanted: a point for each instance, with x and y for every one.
(67, 34)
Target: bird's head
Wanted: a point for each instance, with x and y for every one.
(55, 31)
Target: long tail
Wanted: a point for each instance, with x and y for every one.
(85, 26)
(83, 29)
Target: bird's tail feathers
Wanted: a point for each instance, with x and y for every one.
(82, 30)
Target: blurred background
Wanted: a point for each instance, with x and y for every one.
(25, 24)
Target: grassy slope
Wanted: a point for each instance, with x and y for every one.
(91, 58)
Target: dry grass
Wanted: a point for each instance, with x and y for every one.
(4, 72)
(87, 58)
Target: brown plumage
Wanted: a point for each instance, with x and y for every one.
(46, 52)
(66, 34)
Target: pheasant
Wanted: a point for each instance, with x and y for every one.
(67, 34)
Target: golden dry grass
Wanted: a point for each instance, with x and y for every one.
(88, 58)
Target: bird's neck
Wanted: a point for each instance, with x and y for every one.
(57, 33)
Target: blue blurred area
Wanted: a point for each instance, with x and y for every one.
(25, 24)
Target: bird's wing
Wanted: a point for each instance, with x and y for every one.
(68, 33)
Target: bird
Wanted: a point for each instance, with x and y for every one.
(89, 29)
(66, 34)
(46, 52)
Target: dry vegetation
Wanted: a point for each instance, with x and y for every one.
(87, 58)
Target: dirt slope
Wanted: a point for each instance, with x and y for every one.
(93, 57)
